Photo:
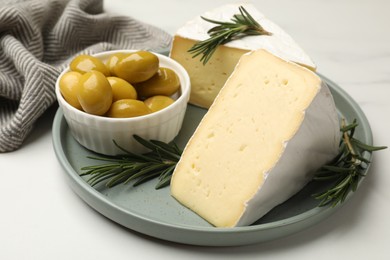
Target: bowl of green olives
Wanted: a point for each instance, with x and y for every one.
(109, 97)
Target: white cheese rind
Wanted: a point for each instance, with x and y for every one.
(279, 43)
(272, 124)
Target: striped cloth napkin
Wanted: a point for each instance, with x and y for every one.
(38, 38)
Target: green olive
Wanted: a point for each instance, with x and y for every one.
(113, 60)
(165, 82)
(157, 103)
(137, 66)
(86, 63)
(95, 93)
(121, 89)
(69, 83)
(128, 108)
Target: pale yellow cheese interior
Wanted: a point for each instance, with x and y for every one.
(206, 80)
(242, 136)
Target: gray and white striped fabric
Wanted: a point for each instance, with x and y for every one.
(38, 38)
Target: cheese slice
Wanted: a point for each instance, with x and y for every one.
(207, 80)
(271, 126)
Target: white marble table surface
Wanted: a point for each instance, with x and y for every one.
(42, 218)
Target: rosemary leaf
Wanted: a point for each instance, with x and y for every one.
(146, 178)
(350, 127)
(104, 175)
(337, 169)
(367, 147)
(164, 182)
(158, 147)
(150, 169)
(133, 156)
(168, 171)
(121, 177)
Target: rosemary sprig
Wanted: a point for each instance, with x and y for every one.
(241, 25)
(159, 162)
(347, 168)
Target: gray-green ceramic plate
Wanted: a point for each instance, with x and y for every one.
(157, 214)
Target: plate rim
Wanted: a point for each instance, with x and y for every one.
(88, 194)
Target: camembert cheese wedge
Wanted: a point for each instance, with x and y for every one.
(271, 126)
(207, 80)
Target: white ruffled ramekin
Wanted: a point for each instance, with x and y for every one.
(97, 133)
